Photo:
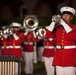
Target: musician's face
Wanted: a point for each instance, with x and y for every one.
(67, 17)
(16, 29)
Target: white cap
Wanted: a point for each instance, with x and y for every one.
(15, 24)
(68, 9)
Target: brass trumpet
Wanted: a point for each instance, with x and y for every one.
(41, 32)
(56, 18)
(6, 30)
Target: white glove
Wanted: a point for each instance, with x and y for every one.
(34, 34)
(51, 26)
(15, 36)
(5, 35)
(55, 19)
(26, 31)
(37, 33)
(65, 25)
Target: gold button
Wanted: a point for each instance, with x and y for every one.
(62, 40)
(62, 36)
(62, 43)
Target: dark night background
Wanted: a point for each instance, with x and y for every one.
(42, 8)
(14, 5)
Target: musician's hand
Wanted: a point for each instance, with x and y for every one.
(56, 18)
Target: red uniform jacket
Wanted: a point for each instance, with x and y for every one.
(4, 43)
(12, 47)
(49, 49)
(65, 56)
(29, 42)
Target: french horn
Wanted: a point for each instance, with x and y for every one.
(30, 22)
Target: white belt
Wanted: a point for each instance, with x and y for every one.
(66, 47)
(50, 47)
(50, 39)
(26, 43)
(11, 47)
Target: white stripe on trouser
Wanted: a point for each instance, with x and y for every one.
(75, 70)
(16, 68)
(40, 52)
(48, 65)
(28, 59)
(35, 55)
(65, 70)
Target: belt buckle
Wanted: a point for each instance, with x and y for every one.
(62, 47)
(13, 46)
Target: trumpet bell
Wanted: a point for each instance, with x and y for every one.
(30, 22)
(56, 18)
(7, 30)
(41, 32)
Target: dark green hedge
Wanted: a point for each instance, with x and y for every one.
(42, 21)
(74, 20)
